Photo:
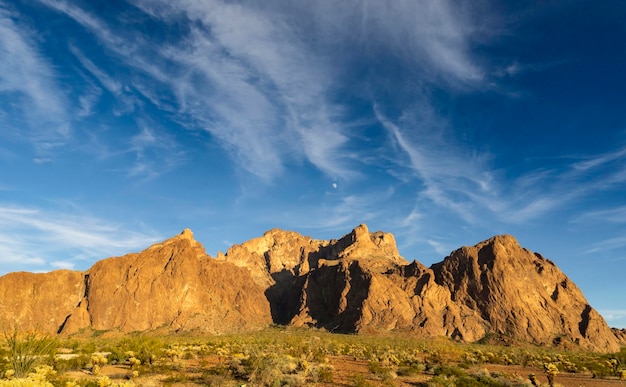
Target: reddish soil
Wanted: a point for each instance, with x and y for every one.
(347, 368)
(564, 379)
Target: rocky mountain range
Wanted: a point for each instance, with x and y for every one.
(356, 284)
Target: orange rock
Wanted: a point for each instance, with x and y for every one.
(358, 283)
(172, 285)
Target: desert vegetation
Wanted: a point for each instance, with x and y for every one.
(280, 356)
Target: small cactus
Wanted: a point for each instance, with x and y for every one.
(551, 371)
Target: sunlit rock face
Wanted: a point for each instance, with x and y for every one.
(358, 283)
(39, 301)
(172, 286)
(522, 294)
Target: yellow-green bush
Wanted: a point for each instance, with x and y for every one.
(27, 350)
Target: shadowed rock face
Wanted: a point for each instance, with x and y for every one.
(280, 261)
(358, 283)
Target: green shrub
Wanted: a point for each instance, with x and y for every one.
(28, 350)
(360, 381)
(442, 381)
(73, 364)
(143, 348)
(322, 373)
(411, 369)
(87, 348)
(447, 370)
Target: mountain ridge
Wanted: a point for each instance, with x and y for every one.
(358, 283)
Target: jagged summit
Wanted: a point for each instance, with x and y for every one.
(187, 234)
(357, 283)
(378, 247)
(186, 237)
(521, 294)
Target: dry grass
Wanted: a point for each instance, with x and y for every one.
(296, 357)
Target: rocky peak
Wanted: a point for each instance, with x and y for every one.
(274, 252)
(378, 249)
(185, 238)
(287, 251)
(187, 234)
(521, 294)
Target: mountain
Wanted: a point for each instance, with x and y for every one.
(173, 285)
(280, 261)
(358, 283)
(522, 294)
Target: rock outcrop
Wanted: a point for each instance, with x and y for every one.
(621, 335)
(358, 283)
(39, 301)
(280, 261)
(523, 295)
(350, 297)
(172, 285)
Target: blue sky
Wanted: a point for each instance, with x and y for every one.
(443, 122)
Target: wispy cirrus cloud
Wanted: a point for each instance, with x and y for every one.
(615, 215)
(466, 182)
(126, 102)
(255, 88)
(614, 243)
(432, 38)
(615, 317)
(264, 84)
(110, 84)
(451, 175)
(595, 161)
(28, 85)
(156, 152)
(88, 99)
(37, 237)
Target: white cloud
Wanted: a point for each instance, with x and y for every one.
(251, 82)
(451, 175)
(34, 237)
(28, 80)
(615, 215)
(615, 317)
(156, 152)
(608, 244)
(88, 100)
(600, 160)
(464, 181)
(112, 85)
(263, 82)
(439, 247)
(432, 37)
(126, 102)
(62, 265)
